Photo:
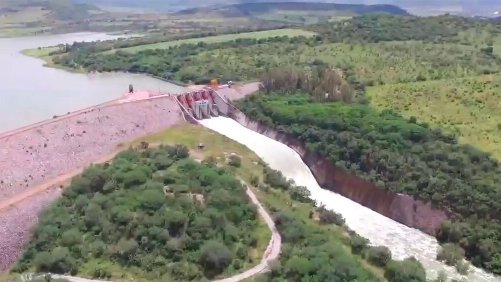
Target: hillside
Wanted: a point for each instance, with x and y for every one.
(295, 12)
(53, 9)
(422, 7)
(28, 17)
(426, 64)
(149, 215)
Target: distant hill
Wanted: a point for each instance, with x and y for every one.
(466, 7)
(177, 5)
(294, 12)
(55, 9)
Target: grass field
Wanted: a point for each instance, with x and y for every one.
(468, 107)
(26, 15)
(304, 17)
(220, 38)
(482, 38)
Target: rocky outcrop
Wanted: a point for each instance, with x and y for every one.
(399, 207)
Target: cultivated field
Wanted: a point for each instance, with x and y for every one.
(221, 38)
(468, 107)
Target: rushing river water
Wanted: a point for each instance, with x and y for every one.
(380, 230)
(30, 92)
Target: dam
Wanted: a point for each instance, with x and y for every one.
(33, 155)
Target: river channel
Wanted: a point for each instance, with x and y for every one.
(401, 240)
(30, 92)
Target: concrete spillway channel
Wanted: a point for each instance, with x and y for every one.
(200, 104)
(403, 241)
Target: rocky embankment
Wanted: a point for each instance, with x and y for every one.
(399, 207)
(35, 155)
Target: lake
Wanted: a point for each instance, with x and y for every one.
(30, 92)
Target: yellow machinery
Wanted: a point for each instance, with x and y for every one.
(214, 83)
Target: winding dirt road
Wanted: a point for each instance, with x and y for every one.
(272, 251)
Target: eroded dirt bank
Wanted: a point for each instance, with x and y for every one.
(36, 155)
(399, 207)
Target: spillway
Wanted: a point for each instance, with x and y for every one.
(401, 240)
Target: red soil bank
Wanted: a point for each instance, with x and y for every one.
(399, 207)
(36, 155)
(16, 223)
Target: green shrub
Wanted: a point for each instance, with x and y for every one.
(214, 258)
(379, 256)
(358, 244)
(330, 217)
(409, 270)
(451, 254)
(235, 161)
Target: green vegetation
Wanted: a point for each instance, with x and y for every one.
(297, 12)
(437, 71)
(430, 49)
(316, 250)
(401, 156)
(326, 234)
(25, 17)
(467, 107)
(378, 28)
(220, 38)
(150, 214)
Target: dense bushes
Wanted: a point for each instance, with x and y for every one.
(450, 254)
(172, 63)
(395, 60)
(312, 252)
(376, 28)
(154, 210)
(400, 156)
(409, 270)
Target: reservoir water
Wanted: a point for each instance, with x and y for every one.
(401, 240)
(30, 92)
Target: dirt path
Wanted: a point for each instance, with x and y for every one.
(272, 251)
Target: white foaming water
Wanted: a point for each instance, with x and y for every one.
(401, 240)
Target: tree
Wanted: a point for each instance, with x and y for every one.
(297, 267)
(214, 258)
(451, 254)
(358, 243)
(97, 176)
(175, 222)
(379, 256)
(300, 193)
(58, 261)
(489, 50)
(126, 250)
(329, 217)
(152, 200)
(235, 161)
(71, 237)
(409, 270)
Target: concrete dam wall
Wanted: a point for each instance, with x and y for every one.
(399, 207)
